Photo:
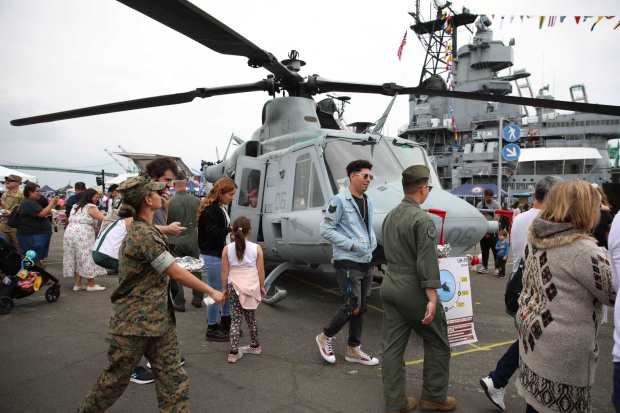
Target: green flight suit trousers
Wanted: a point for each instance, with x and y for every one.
(403, 312)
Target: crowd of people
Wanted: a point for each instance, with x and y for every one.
(565, 252)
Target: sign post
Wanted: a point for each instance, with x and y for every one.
(499, 162)
(510, 133)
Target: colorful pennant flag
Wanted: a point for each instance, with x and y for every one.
(577, 18)
(617, 25)
(562, 19)
(551, 22)
(541, 21)
(402, 45)
(598, 19)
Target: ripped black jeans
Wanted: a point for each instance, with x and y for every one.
(355, 289)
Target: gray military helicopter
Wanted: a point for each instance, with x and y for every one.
(295, 161)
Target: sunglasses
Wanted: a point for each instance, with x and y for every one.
(365, 176)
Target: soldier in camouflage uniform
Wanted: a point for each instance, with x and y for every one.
(9, 201)
(143, 321)
(410, 300)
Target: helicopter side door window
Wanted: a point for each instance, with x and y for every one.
(307, 191)
(248, 190)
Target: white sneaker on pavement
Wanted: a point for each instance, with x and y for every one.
(326, 348)
(95, 287)
(482, 270)
(356, 355)
(77, 288)
(495, 395)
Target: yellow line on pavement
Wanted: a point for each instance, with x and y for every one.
(488, 347)
(475, 348)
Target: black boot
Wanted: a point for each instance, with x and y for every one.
(216, 333)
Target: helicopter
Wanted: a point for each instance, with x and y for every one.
(295, 161)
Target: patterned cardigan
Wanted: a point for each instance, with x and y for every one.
(566, 280)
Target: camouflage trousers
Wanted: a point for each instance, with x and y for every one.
(171, 381)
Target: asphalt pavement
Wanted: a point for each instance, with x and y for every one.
(52, 354)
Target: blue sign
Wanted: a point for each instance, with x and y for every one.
(448, 286)
(511, 132)
(511, 152)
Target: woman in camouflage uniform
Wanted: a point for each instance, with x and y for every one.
(143, 322)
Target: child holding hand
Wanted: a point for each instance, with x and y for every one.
(243, 277)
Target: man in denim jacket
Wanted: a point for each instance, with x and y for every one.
(347, 225)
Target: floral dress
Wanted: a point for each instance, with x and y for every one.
(78, 242)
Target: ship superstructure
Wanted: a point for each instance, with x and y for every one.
(463, 136)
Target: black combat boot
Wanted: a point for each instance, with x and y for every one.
(216, 333)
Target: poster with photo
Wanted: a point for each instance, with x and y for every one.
(455, 296)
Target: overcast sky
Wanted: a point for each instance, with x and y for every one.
(64, 54)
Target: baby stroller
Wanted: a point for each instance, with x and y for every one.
(21, 277)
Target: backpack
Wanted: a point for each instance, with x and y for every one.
(513, 290)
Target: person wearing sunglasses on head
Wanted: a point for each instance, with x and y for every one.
(347, 225)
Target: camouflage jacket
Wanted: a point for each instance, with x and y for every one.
(141, 301)
(10, 199)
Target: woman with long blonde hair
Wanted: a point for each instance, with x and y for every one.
(213, 233)
(566, 280)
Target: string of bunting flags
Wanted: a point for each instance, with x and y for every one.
(543, 21)
(550, 21)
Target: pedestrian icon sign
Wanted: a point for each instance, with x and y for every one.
(511, 152)
(511, 132)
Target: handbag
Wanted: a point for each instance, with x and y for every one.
(13, 219)
(513, 290)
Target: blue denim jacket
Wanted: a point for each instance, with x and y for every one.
(345, 229)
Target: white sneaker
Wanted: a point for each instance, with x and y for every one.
(326, 348)
(482, 269)
(496, 396)
(95, 287)
(77, 288)
(356, 355)
(233, 358)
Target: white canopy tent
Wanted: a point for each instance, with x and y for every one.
(25, 177)
(118, 179)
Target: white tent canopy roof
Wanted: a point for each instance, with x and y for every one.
(25, 177)
(118, 179)
(558, 154)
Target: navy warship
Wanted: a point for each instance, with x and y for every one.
(464, 136)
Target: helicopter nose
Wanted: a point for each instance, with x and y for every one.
(464, 225)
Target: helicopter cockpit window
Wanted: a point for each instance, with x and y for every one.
(248, 190)
(307, 189)
(339, 152)
(388, 159)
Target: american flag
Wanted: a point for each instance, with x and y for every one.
(402, 45)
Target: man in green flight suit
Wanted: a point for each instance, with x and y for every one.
(410, 301)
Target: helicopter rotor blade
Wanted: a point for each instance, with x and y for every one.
(150, 102)
(195, 23)
(320, 85)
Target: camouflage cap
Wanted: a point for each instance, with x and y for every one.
(136, 188)
(13, 178)
(415, 173)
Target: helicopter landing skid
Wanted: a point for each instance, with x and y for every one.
(279, 294)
